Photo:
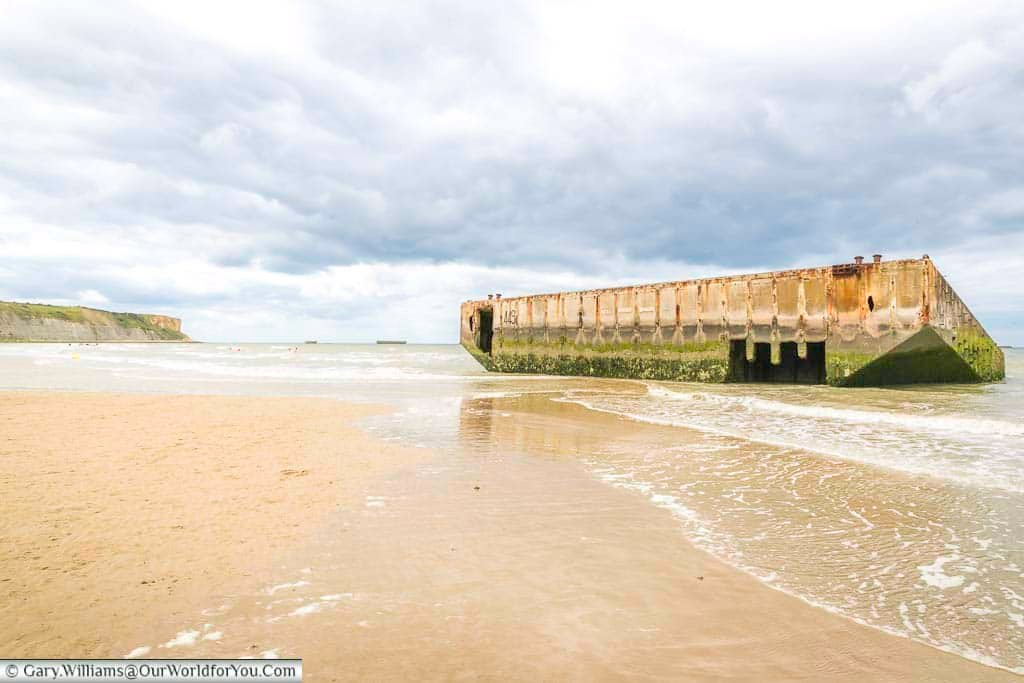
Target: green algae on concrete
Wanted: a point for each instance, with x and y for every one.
(981, 353)
(923, 358)
(481, 357)
(703, 362)
(923, 366)
(840, 366)
(634, 367)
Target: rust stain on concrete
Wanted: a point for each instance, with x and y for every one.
(854, 324)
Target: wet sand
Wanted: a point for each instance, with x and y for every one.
(490, 563)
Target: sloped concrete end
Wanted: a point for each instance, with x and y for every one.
(926, 357)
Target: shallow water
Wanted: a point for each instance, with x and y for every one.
(899, 508)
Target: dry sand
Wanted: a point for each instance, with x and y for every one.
(129, 515)
(125, 512)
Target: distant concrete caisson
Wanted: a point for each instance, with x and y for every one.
(855, 324)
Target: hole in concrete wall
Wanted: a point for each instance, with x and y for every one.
(470, 323)
(486, 332)
(871, 304)
(792, 369)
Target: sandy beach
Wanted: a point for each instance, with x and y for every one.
(123, 513)
(250, 526)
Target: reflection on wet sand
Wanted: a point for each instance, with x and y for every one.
(508, 557)
(890, 549)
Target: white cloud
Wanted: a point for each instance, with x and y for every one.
(90, 297)
(963, 69)
(294, 166)
(228, 139)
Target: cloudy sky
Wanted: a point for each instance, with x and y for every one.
(351, 170)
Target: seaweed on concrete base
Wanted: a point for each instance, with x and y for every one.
(923, 358)
(980, 353)
(709, 363)
(481, 357)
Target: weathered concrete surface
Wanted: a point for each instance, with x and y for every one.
(20, 322)
(858, 324)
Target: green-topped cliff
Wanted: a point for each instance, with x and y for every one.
(26, 322)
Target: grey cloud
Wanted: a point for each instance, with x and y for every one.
(442, 133)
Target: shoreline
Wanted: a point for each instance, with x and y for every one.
(265, 489)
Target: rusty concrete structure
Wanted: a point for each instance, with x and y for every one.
(855, 324)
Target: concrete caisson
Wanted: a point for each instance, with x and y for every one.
(856, 324)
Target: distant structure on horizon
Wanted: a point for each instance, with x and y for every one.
(854, 324)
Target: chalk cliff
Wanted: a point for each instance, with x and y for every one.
(23, 322)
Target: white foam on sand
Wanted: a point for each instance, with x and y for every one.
(494, 394)
(212, 611)
(773, 425)
(284, 586)
(933, 575)
(334, 597)
(183, 638)
(306, 609)
(139, 652)
(959, 425)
